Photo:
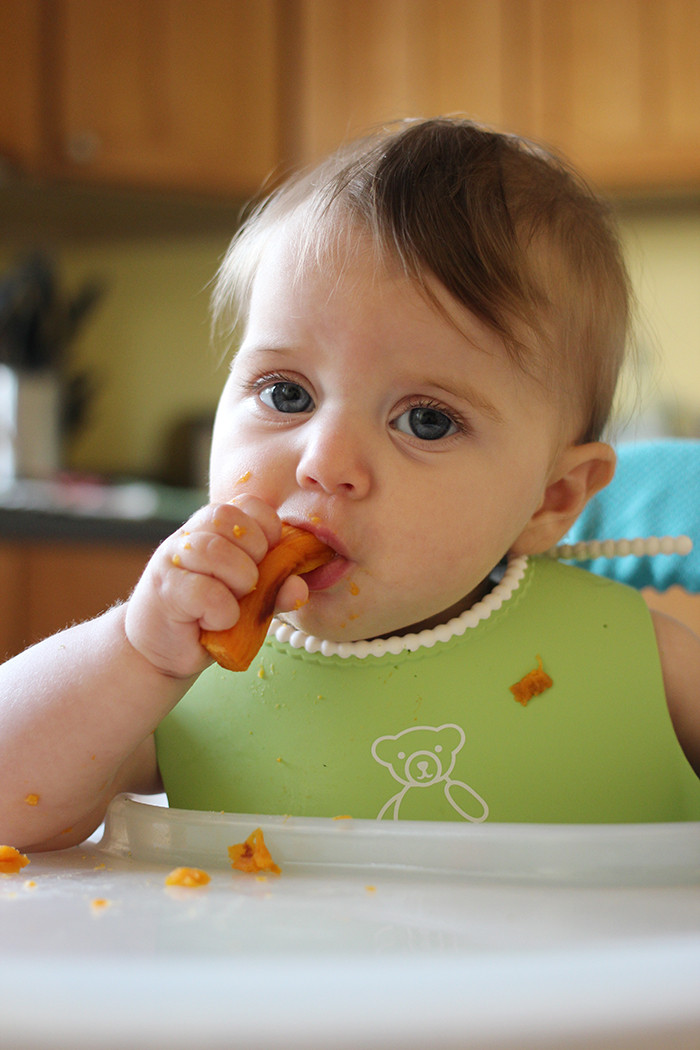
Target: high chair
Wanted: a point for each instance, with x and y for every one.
(655, 492)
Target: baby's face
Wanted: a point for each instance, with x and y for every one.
(356, 409)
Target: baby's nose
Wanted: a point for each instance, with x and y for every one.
(337, 461)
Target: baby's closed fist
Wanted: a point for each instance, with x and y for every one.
(194, 582)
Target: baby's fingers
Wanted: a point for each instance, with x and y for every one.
(199, 599)
(292, 594)
(212, 555)
(234, 525)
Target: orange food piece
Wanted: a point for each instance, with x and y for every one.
(11, 860)
(100, 903)
(534, 683)
(252, 855)
(189, 877)
(297, 551)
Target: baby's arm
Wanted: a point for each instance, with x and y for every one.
(78, 710)
(679, 649)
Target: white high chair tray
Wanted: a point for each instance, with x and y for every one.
(375, 935)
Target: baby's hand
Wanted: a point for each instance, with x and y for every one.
(194, 580)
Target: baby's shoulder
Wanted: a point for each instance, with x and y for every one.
(679, 652)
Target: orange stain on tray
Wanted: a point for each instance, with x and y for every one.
(190, 878)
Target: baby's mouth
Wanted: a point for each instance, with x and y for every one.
(327, 575)
(331, 572)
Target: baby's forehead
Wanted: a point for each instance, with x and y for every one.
(342, 255)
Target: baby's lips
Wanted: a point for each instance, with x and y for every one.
(323, 533)
(327, 575)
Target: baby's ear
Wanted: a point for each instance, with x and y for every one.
(580, 472)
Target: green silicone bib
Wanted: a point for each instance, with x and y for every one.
(437, 734)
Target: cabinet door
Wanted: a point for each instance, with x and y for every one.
(20, 83)
(359, 63)
(619, 87)
(47, 586)
(613, 84)
(67, 582)
(13, 575)
(166, 93)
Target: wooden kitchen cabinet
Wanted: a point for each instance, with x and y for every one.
(613, 84)
(44, 586)
(218, 95)
(166, 94)
(617, 86)
(361, 63)
(21, 134)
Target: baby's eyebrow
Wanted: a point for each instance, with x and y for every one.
(472, 396)
(266, 347)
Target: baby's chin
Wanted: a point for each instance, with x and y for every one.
(349, 630)
(355, 627)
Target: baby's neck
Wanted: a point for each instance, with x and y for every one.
(446, 614)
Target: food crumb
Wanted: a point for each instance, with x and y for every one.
(189, 877)
(354, 589)
(343, 816)
(100, 904)
(261, 671)
(244, 477)
(239, 530)
(533, 683)
(371, 889)
(252, 855)
(11, 860)
(32, 799)
(30, 884)
(176, 560)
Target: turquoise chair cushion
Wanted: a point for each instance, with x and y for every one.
(655, 492)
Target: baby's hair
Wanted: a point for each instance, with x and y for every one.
(507, 228)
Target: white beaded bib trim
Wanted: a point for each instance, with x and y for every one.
(454, 628)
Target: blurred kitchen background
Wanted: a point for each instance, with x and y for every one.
(133, 131)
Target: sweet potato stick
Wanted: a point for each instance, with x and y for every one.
(298, 551)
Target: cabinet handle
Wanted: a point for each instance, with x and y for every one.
(83, 147)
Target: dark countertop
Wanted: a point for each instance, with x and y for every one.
(133, 512)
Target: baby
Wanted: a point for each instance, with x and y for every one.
(431, 326)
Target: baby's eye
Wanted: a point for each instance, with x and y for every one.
(284, 396)
(426, 423)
